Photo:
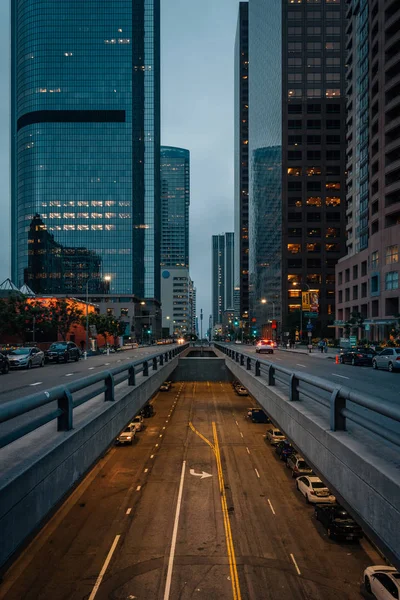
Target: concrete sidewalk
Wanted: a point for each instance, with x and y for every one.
(332, 352)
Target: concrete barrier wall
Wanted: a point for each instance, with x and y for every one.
(201, 369)
(363, 474)
(41, 468)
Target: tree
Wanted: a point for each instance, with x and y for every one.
(64, 313)
(19, 316)
(355, 322)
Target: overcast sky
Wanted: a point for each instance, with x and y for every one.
(197, 42)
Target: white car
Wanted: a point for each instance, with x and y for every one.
(314, 490)
(238, 342)
(274, 436)
(265, 346)
(241, 391)
(127, 435)
(26, 358)
(382, 581)
(138, 423)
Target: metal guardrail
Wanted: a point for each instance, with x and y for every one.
(338, 399)
(63, 395)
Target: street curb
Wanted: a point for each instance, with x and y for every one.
(307, 353)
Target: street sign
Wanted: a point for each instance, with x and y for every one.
(309, 326)
(311, 315)
(367, 328)
(353, 340)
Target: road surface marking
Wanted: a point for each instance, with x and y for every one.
(277, 358)
(106, 364)
(271, 507)
(164, 427)
(241, 433)
(160, 435)
(237, 423)
(294, 562)
(145, 470)
(138, 488)
(341, 376)
(104, 569)
(248, 451)
(299, 365)
(37, 383)
(90, 368)
(202, 475)
(174, 535)
(69, 374)
(152, 456)
(128, 512)
(201, 436)
(166, 421)
(257, 473)
(228, 532)
(156, 445)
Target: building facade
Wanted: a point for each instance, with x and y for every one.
(177, 292)
(265, 137)
(313, 158)
(368, 276)
(175, 202)
(222, 274)
(241, 166)
(85, 141)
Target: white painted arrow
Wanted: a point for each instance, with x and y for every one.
(202, 475)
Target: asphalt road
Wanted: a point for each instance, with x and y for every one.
(20, 382)
(148, 523)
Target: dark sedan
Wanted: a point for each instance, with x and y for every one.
(284, 450)
(337, 522)
(4, 364)
(357, 356)
(63, 352)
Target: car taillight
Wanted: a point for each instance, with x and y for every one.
(359, 355)
(313, 493)
(397, 357)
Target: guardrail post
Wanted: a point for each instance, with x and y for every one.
(248, 363)
(65, 420)
(338, 403)
(241, 360)
(237, 356)
(271, 375)
(155, 363)
(257, 369)
(131, 376)
(293, 390)
(109, 391)
(161, 360)
(145, 368)
(170, 354)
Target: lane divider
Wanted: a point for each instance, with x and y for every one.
(192, 427)
(271, 507)
(128, 511)
(228, 532)
(295, 564)
(104, 568)
(257, 473)
(174, 535)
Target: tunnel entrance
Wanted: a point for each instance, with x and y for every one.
(201, 353)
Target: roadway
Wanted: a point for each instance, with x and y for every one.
(21, 382)
(173, 518)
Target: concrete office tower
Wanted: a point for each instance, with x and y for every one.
(265, 123)
(368, 277)
(222, 273)
(175, 202)
(313, 156)
(241, 204)
(176, 291)
(85, 144)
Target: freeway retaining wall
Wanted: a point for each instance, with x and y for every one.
(362, 472)
(201, 369)
(40, 469)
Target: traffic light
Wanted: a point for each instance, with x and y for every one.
(149, 331)
(254, 331)
(236, 322)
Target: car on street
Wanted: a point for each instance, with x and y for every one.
(138, 423)
(238, 342)
(337, 522)
(147, 411)
(241, 391)
(62, 352)
(382, 582)
(164, 387)
(357, 356)
(127, 435)
(389, 359)
(314, 490)
(284, 450)
(298, 465)
(266, 346)
(274, 436)
(26, 358)
(257, 415)
(4, 363)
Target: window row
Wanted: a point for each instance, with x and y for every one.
(314, 92)
(313, 46)
(331, 232)
(297, 155)
(313, 77)
(313, 247)
(314, 61)
(314, 30)
(313, 15)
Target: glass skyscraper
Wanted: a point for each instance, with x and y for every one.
(175, 202)
(222, 274)
(85, 145)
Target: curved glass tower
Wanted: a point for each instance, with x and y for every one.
(85, 145)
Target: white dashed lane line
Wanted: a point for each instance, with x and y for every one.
(257, 473)
(36, 383)
(299, 365)
(271, 507)
(248, 451)
(68, 374)
(295, 564)
(90, 368)
(128, 512)
(341, 376)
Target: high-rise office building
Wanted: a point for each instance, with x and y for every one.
(313, 158)
(222, 274)
(175, 202)
(241, 206)
(265, 122)
(368, 277)
(85, 142)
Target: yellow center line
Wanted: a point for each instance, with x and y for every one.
(193, 428)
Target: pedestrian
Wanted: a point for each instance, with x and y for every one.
(321, 345)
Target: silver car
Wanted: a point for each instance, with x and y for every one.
(26, 358)
(388, 359)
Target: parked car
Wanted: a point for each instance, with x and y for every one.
(4, 363)
(382, 581)
(265, 346)
(388, 359)
(63, 352)
(147, 411)
(298, 465)
(274, 436)
(337, 522)
(241, 391)
(164, 387)
(238, 342)
(138, 423)
(314, 490)
(257, 415)
(357, 356)
(284, 450)
(127, 435)
(26, 358)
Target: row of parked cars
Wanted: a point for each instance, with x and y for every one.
(388, 358)
(135, 426)
(26, 357)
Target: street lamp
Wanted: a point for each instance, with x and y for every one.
(106, 278)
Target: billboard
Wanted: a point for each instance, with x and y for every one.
(305, 300)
